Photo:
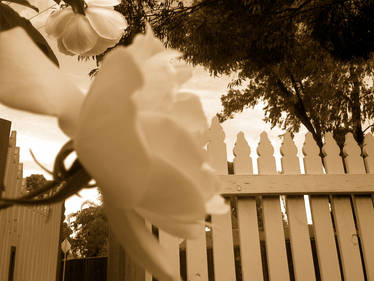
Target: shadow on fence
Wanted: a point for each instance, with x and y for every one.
(87, 269)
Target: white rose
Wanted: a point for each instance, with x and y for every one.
(89, 35)
(134, 133)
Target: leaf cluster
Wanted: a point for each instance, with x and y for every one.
(90, 232)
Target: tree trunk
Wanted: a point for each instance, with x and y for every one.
(356, 114)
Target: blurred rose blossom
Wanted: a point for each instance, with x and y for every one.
(134, 132)
(87, 35)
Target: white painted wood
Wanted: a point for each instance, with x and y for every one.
(312, 160)
(242, 160)
(327, 252)
(289, 160)
(368, 152)
(297, 223)
(324, 234)
(297, 184)
(332, 160)
(266, 160)
(196, 256)
(365, 220)
(275, 240)
(250, 250)
(352, 156)
(223, 248)
(343, 216)
(216, 148)
(171, 245)
(363, 208)
(348, 239)
(300, 241)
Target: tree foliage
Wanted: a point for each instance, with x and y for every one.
(35, 181)
(309, 61)
(89, 232)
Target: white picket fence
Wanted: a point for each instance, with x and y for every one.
(32, 233)
(268, 235)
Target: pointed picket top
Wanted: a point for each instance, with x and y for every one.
(354, 162)
(266, 160)
(331, 152)
(216, 131)
(312, 160)
(242, 160)
(368, 152)
(216, 148)
(289, 160)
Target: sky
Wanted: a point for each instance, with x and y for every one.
(42, 135)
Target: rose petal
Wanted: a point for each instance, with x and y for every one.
(31, 82)
(181, 228)
(62, 48)
(108, 142)
(103, 3)
(216, 205)
(144, 46)
(188, 112)
(57, 20)
(159, 87)
(168, 140)
(78, 36)
(108, 24)
(101, 46)
(139, 243)
(171, 142)
(172, 193)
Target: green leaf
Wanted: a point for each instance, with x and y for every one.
(24, 3)
(10, 19)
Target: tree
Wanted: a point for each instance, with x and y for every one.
(310, 59)
(66, 232)
(35, 181)
(90, 231)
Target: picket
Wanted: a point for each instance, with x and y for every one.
(242, 161)
(368, 153)
(196, 255)
(272, 216)
(297, 221)
(223, 248)
(344, 220)
(365, 219)
(171, 246)
(250, 247)
(249, 236)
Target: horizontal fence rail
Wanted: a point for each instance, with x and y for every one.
(297, 184)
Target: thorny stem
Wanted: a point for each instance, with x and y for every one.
(66, 181)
